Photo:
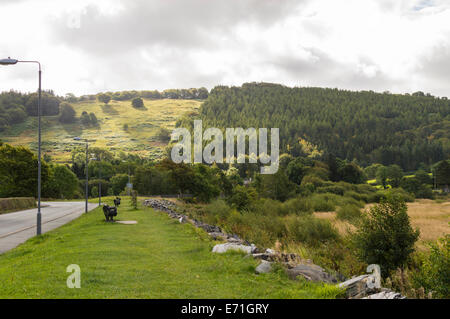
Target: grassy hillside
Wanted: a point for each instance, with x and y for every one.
(143, 124)
(156, 258)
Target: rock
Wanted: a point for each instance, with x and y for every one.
(218, 236)
(209, 228)
(182, 219)
(387, 294)
(254, 248)
(223, 248)
(233, 240)
(264, 256)
(264, 267)
(359, 287)
(311, 273)
(270, 251)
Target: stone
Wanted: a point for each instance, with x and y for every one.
(264, 267)
(182, 219)
(126, 222)
(359, 287)
(387, 294)
(218, 236)
(270, 251)
(264, 256)
(223, 248)
(311, 273)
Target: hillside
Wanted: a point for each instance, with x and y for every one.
(369, 127)
(140, 137)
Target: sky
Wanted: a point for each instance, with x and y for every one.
(90, 46)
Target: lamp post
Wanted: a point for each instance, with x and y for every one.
(10, 61)
(87, 172)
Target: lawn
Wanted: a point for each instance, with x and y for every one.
(156, 258)
(143, 124)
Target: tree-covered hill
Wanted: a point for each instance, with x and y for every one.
(364, 126)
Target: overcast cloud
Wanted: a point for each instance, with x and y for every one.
(88, 46)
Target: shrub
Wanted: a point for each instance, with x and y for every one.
(323, 202)
(396, 192)
(316, 181)
(349, 212)
(67, 114)
(93, 119)
(219, 210)
(137, 102)
(311, 230)
(242, 197)
(298, 206)
(434, 274)
(357, 196)
(385, 236)
(134, 195)
(105, 98)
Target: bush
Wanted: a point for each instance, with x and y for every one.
(93, 119)
(385, 236)
(67, 113)
(396, 192)
(349, 212)
(324, 202)
(242, 197)
(311, 230)
(218, 210)
(105, 98)
(134, 195)
(298, 206)
(434, 274)
(357, 196)
(137, 103)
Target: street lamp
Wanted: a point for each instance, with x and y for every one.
(10, 61)
(87, 171)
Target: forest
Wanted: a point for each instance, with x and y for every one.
(410, 130)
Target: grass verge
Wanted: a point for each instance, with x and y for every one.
(156, 258)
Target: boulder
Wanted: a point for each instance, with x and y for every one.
(264, 267)
(223, 248)
(310, 272)
(359, 287)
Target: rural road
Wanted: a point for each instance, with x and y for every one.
(17, 227)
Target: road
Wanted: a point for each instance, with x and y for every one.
(17, 227)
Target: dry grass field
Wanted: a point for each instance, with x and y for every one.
(430, 217)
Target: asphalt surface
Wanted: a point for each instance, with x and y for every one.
(17, 227)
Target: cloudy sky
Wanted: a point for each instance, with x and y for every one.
(87, 46)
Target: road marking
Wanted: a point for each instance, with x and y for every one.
(32, 226)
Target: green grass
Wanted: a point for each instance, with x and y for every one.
(143, 124)
(157, 258)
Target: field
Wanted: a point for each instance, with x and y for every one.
(143, 124)
(156, 258)
(431, 217)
